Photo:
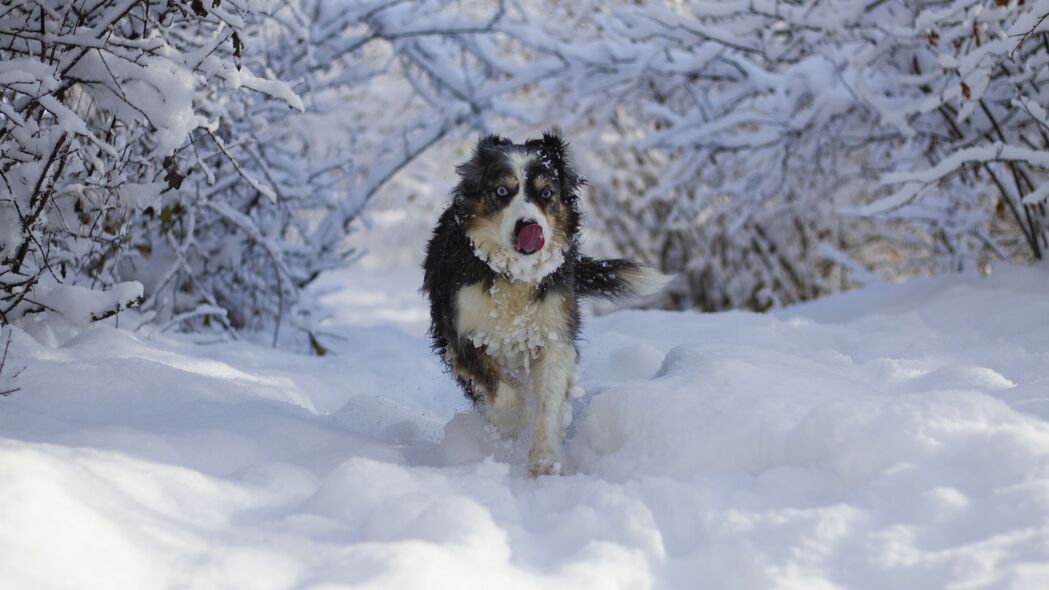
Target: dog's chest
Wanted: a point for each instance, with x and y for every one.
(509, 322)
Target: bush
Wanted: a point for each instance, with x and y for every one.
(776, 151)
(204, 161)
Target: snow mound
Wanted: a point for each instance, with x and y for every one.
(895, 437)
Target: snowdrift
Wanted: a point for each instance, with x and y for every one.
(894, 437)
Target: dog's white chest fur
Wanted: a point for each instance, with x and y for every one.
(509, 323)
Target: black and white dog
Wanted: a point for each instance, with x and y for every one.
(504, 276)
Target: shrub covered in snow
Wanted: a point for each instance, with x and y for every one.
(775, 151)
(218, 151)
(117, 119)
(215, 152)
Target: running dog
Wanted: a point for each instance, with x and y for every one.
(504, 277)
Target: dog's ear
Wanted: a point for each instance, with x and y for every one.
(554, 151)
(472, 172)
(491, 140)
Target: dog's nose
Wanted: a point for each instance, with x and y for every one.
(528, 236)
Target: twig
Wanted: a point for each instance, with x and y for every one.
(3, 364)
(1028, 34)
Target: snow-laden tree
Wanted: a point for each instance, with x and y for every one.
(99, 100)
(204, 160)
(380, 82)
(774, 151)
(972, 163)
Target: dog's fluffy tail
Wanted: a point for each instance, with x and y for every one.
(616, 278)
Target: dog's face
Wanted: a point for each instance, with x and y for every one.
(520, 203)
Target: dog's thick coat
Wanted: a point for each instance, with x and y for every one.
(504, 315)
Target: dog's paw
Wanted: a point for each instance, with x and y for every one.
(544, 466)
(509, 421)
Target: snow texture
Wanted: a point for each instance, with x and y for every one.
(894, 437)
(519, 267)
(81, 305)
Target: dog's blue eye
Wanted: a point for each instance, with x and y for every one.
(501, 191)
(547, 193)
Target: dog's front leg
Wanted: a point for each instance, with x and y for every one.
(507, 409)
(553, 375)
(483, 382)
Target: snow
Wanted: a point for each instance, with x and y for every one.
(893, 437)
(520, 268)
(81, 305)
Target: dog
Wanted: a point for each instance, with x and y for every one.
(504, 276)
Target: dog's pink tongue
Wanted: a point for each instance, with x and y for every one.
(530, 238)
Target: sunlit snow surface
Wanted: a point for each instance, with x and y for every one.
(889, 438)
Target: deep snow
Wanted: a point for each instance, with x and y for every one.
(894, 437)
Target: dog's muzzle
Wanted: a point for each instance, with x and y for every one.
(528, 236)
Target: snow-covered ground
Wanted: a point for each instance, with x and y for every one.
(894, 437)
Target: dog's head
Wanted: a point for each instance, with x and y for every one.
(520, 204)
